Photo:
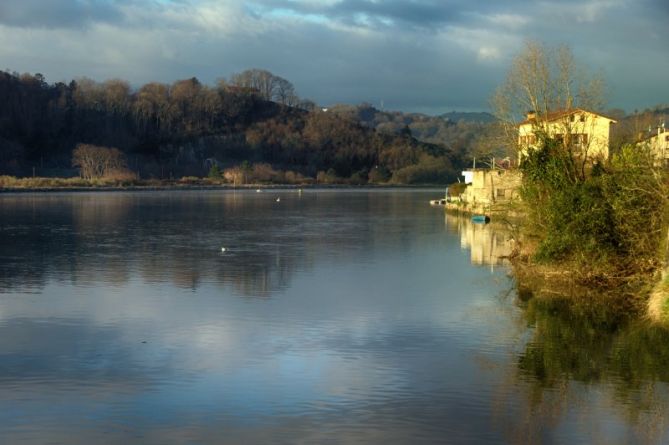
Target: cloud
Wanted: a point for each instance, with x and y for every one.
(58, 13)
(420, 55)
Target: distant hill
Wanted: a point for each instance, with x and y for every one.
(477, 117)
(455, 130)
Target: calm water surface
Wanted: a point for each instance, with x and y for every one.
(332, 317)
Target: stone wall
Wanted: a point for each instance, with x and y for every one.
(491, 190)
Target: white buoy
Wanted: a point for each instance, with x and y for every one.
(223, 249)
(258, 190)
(278, 199)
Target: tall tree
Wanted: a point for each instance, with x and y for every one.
(543, 79)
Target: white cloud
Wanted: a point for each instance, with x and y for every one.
(513, 21)
(488, 53)
(323, 50)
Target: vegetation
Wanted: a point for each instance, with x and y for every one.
(542, 79)
(167, 131)
(100, 162)
(604, 221)
(575, 344)
(609, 222)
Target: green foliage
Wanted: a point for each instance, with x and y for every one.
(612, 214)
(429, 170)
(214, 172)
(457, 188)
(590, 343)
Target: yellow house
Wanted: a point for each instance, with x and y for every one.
(658, 145)
(584, 131)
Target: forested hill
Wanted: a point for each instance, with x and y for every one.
(469, 116)
(457, 130)
(183, 128)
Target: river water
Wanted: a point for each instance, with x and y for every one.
(362, 316)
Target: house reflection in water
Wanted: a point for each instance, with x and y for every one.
(489, 244)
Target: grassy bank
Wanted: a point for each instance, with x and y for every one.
(39, 184)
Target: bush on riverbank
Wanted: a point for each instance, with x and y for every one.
(608, 220)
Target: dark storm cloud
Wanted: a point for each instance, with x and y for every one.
(57, 13)
(425, 55)
(661, 6)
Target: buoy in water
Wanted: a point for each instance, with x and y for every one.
(278, 199)
(223, 249)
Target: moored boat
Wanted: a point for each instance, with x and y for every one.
(484, 219)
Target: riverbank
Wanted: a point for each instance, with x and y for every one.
(638, 294)
(45, 185)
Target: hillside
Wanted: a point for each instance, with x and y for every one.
(459, 132)
(179, 129)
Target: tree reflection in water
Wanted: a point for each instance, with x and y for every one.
(578, 356)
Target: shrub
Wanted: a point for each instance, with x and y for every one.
(612, 215)
(214, 172)
(263, 173)
(378, 174)
(329, 177)
(429, 170)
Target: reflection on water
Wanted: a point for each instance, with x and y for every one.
(582, 362)
(334, 316)
(574, 359)
(488, 244)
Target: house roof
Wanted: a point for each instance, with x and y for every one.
(653, 136)
(559, 114)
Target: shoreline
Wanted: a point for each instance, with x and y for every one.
(640, 297)
(197, 187)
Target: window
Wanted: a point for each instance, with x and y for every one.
(666, 138)
(501, 193)
(580, 139)
(582, 119)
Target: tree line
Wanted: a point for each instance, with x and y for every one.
(165, 131)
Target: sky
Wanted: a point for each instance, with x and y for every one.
(429, 56)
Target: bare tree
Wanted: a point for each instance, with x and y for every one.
(284, 92)
(88, 94)
(97, 162)
(267, 85)
(152, 104)
(116, 96)
(543, 80)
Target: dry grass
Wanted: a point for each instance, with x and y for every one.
(116, 180)
(658, 303)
